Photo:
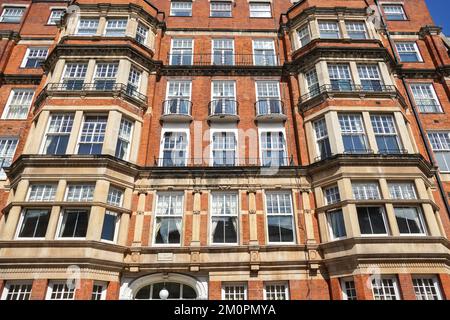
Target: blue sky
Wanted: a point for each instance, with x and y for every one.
(440, 10)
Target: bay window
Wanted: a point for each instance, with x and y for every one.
(356, 29)
(42, 192)
(312, 82)
(134, 79)
(80, 192)
(402, 190)
(366, 191)
(110, 226)
(304, 35)
(141, 33)
(332, 195)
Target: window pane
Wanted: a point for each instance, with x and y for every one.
(34, 224)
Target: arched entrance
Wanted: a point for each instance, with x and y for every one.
(177, 286)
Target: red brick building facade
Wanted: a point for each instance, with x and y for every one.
(231, 149)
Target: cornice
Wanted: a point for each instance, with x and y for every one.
(9, 35)
(19, 79)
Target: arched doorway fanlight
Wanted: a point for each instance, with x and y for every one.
(159, 290)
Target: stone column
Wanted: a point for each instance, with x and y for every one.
(76, 127)
(309, 227)
(101, 25)
(135, 141)
(253, 224)
(369, 132)
(35, 139)
(390, 212)
(137, 238)
(403, 132)
(195, 240)
(89, 78)
(123, 71)
(314, 28)
(112, 132)
(132, 26)
(334, 132)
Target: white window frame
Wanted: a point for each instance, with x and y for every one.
(422, 223)
(84, 186)
(365, 187)
(219, 3)
(401, 189)
(394, 283)
(260, 4)
(430, 87)
(236, 146)
(185, 9)
(354, 23)
(21, 220)
(114, 192)
(395, 5)
(213, 48)
(115, 29)
(280, 283)
(165, 130)
(236, 215)
(77, 32)
(385, 221)
(53, 188)
(7, 288)
(59, 133)
(12, 93)
(140, 34)
(333, 188)
(415, 47)
(292, 215)
(182, 51)
(179, 216)
(330, 227)
(80, 133)
(61, 218)
(57, 282)
(444, 146)
(12, 6)
(324, 137)
(52, 11)
(234, 285)
(124, 139)
(10, 141)
(301, 34)
(329, 30)
(436, 285)
(27, 56)
(262, 130)
(272, 44)
(344, 288)
(116, 226)
(104, 286)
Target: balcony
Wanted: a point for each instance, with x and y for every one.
(270, 110)
(223, 110)
(225, 160)
(347, 89)
(97, 89)
(177, 110)
(362, 152)
(223, 60)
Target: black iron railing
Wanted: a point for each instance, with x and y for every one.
(269, 106)
(223, 107)
(103, 86)
(177, 106)
(347, 87)
(222, 59)
(223, 162)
